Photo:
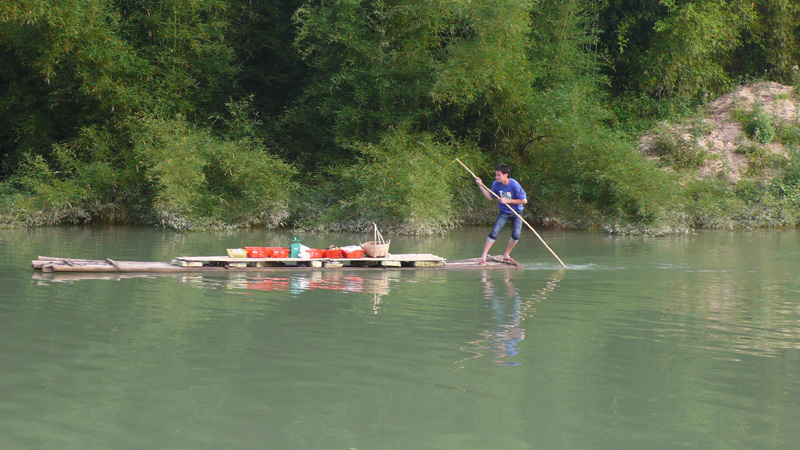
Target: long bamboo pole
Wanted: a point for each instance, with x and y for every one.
(517, 214)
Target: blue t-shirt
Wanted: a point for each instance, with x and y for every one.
(511, 191)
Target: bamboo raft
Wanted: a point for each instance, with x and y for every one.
(49, 264)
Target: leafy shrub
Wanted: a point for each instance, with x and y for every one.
(200, 181)
(759, 126)
(677, 151)
(698, 127)
(710, 203)
(81, 181)
(792, 173)
(405, 183)
(788, 184)
(592, 179)
(788, 134)
(751, 191)
(761, 158)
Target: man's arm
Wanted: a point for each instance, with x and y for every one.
(484, 189)
(516, 201)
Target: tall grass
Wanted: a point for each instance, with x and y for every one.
(406, 183)
(200, 181)
(169, 173)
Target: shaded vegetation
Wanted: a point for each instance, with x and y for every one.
(199, 114)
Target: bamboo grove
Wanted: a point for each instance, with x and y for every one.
(198, 114)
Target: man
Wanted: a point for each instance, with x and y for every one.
(511, 197)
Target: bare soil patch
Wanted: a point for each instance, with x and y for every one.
(723, 134)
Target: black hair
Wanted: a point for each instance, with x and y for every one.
(503, 168)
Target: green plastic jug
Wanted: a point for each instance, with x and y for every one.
(294, 249)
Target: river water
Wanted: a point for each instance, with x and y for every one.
(658, 343)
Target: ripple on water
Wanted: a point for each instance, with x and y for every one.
(588, 266)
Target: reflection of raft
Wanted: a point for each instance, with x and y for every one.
(222, 263)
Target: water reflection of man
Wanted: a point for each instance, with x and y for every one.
(510, 310)
(508, 317)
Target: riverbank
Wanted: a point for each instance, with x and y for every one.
(732, 163)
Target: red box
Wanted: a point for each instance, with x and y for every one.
(267, 252)
(314, 253)
(354, 254)
(337, 253)
(256, 252)
(278, 252)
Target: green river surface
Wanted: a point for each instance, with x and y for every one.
(641, 343)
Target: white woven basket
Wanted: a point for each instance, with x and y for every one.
(378, 247)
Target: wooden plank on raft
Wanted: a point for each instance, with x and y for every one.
(42, 260)
(38, 264)
(428, 263)
(210, 263)
(397, 257)
(124, 266)
(183, 263)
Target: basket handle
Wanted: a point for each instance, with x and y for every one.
(376, 235)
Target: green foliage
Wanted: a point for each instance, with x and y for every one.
(431, 65)
(684, 59)
(185, 53)
(485, 44)
(759, 126)
(773, 40)
(372, 66)
(636, 113)
(127, 110)
(761, 159)
(592, 179)
(199, 181)
(792, 174)
(677, 151)
(788, 183)
(579, 171)
(709, 203)
(85, 181)
(788, 134)
(751, 191)
(87, 154)
(53, 199)
(407, 182)
(62, 69)
(715, 203)
(172, 154)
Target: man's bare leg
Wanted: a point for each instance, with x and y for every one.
(511, 244)
(486, 250)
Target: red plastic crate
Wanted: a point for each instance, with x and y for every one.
(278, 252)
(354, 254)
(314, 253)
(267, 252)
(256, 252)
(337, 253)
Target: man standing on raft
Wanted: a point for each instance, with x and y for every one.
(511, 196)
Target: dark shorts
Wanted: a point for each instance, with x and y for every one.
(500, 222)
